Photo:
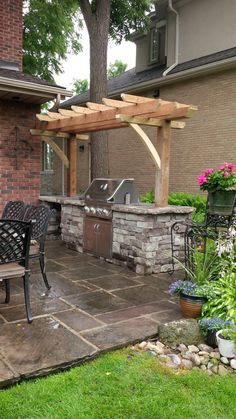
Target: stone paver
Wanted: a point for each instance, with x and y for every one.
(92, 306)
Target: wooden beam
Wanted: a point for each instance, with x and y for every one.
(115, 103)
(162, 176)
(54, 115)
(57, 150)
(66, 112)
(136, 99)
(152, 150)
(82, 110)
(149, 121)
(72, 172)
(97, 106)
(44, 133)
(82, 137)
(43, 117)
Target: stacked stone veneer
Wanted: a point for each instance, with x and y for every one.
(72, 226)
(142, 236)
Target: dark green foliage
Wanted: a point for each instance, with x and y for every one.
(115, 69)
(128, 16)
(51, 30)
(182, 198)
(80, 86)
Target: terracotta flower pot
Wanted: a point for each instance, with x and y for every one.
(191, 305)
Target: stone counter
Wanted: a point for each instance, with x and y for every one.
(142, 236)
(141, 233)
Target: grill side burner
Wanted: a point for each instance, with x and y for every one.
(99, 197)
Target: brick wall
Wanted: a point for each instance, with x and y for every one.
(20, 153)
(11, 31)
(207, 140)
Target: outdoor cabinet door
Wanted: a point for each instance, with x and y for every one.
(90, 225)
(104, 238)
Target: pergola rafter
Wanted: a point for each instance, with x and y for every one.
(132, 111)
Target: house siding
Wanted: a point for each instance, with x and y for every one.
(207, 140)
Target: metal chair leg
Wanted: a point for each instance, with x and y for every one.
(43, 270)
(7, 288)
(27, 299)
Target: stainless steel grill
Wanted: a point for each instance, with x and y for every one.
(99, 198)
(102, 193)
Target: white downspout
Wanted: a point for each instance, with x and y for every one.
(176, 40)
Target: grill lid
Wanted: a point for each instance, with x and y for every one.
(111, 190)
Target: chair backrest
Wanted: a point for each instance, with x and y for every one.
(14, 210)
(39, 215)
(15, 241)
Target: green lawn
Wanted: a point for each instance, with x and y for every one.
(122, 385)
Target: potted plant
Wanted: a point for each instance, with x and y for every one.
(191, 296)
(226, 340)
(220, 185)
(209, 327)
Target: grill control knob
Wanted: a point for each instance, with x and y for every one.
(86, 208)
(106, 212)
(99, 210)
(93, 210)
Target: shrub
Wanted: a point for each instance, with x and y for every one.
(183, 199)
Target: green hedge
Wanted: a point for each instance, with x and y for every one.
(182, 198)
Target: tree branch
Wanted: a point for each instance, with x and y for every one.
(86, 12)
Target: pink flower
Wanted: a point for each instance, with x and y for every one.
(208, 171)
(231, 167)
(226, 174)
(223, 167)
(202, 179)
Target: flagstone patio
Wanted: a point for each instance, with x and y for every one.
(92, 306)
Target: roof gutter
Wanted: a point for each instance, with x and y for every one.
(176, 39)
(180, 76)
(29, 87)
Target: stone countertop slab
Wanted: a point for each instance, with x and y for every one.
(152, 209)
(65, 200)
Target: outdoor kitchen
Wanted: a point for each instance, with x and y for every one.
(108, 221)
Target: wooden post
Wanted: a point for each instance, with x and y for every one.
(162, 175)
(72, 172)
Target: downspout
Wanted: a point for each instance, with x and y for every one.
(176, 39)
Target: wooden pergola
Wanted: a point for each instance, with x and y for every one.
(131, 111)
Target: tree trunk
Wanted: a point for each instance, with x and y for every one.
(97, 22)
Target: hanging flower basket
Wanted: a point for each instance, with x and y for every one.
(221, 202)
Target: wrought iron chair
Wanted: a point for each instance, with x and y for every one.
(14, 210)
(39, 215)
(14, 256)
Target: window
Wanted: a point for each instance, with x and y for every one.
(47, 157)
(157, 44)
(154, 53)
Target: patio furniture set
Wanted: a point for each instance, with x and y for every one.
(23, 230)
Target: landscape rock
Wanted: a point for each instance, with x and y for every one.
(187, 364)
(193, 348)
(175, 359)
(203, 367)
(215, 369)
(222, 370)
(233, 364)
(224, 360)
(196, 359)
(177, 332)
(210, 365)
(204, 347)
(204, 359)
(215, 355)
(142, 345)
(203, 353)
(152, 353)
(182, 347)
